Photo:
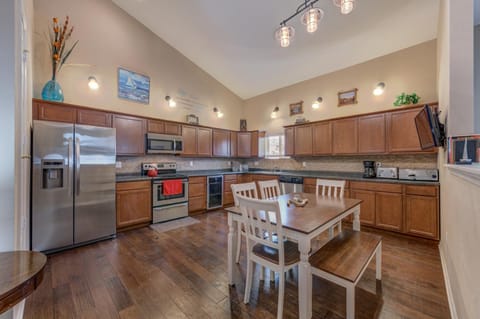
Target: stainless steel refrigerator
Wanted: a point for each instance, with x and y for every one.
(73, 185)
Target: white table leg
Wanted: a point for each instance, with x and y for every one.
(232, 239)
(356, 219)
(304, 281)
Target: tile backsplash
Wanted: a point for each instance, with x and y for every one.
(347, 163)
(132, 165)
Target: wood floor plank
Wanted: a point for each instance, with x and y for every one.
(182, 274)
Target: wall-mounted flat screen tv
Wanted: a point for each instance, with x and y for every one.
(429, 129)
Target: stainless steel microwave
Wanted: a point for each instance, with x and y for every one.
(164, 144)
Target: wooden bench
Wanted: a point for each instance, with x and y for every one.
(344, 259)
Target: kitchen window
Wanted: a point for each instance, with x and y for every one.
(275, 146)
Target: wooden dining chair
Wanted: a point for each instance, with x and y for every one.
(247, 190)
(266, 244)
(344, 259)
(331, 188)
(269, 189)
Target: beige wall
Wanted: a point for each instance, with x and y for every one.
(109, 38)
(460, 200)
(409, 70)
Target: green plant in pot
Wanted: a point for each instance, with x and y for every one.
(58, 37)
(405, 99)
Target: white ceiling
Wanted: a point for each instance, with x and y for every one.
(234, 40)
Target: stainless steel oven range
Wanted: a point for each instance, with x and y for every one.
(169, 192)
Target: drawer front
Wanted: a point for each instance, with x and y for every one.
(230, 177)
(381, 187)
(195, 190)
(197, 203)
(421, 190)
(197, 180)
(122, 186)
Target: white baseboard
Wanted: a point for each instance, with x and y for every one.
(451, 302)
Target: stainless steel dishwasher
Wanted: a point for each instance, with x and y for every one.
(290, 184)
(214, 191)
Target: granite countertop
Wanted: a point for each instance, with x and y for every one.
(353, 176)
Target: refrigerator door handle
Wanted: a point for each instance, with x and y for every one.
(77, 165)
(70, 167)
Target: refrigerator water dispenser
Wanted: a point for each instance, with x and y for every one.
(52, 176)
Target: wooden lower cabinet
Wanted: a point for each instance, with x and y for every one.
(421, 216)
(134, 204)
(197, 195)
(310, 185)
(389, 211)
(367, 207)
(228, 180)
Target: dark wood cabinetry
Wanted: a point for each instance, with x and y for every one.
(422, 216)
(46, 111)
(290, 141)
(228, 180)
(197, 141)
(244, 145)
(134, 204)
(233, 144)
(221, 143)
(345, 136)
(372, 134)
(197, 194)
(254, 144)
(322, 138)
(130, 135)
(402, 133)
(303, 140)
(95, 118)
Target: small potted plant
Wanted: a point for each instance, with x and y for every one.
(58, 37)
(405, 99)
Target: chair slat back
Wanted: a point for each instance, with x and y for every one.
(269, 189)
(330, 188)
(245, 189)
(263, 222)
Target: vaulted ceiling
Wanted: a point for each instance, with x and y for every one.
(234, 40)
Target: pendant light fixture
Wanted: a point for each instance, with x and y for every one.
(346, 6)
(311, 16)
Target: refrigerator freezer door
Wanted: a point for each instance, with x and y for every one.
(52, 185)
(94, 215)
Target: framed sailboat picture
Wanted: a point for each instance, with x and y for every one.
(133, 86)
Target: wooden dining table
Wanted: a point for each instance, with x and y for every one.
(301, 224)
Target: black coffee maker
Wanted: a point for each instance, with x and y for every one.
(369, 169)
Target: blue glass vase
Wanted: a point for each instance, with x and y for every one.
(52, 91)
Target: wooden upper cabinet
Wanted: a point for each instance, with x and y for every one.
(154, 126)
(303, 140)
(290, 141)
(197, 141)
(95, 118)
(130, 134)
(372, 134)
(345, 136)
(221, 143)
(204, 141)
(173, 128)
(244, 145)
(322, 138)
(233, 144)
(55, 112)
(402, 133)
(255, 140)
(189, 134)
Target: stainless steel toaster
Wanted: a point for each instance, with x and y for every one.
(387, 172)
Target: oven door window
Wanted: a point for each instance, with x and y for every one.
(162, 197)
(161, 145)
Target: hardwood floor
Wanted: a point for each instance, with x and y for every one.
(183, 274)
